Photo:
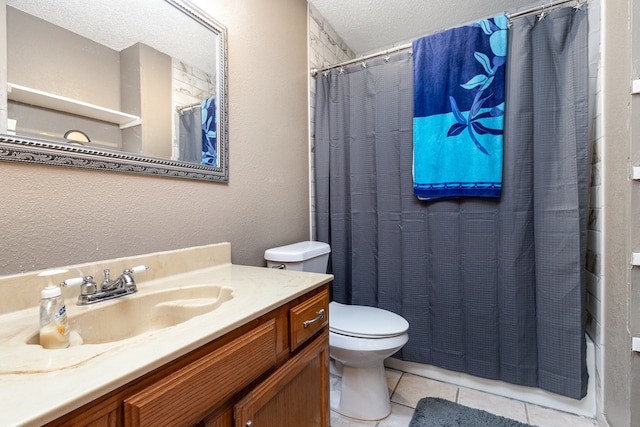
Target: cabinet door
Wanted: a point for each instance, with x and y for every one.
(186, 396)
(296, 395)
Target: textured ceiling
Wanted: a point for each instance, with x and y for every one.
(365, 25)
(370, 25)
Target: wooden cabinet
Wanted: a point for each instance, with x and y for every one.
(295, 396)
(273, 371)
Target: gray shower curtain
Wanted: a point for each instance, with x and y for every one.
(190, 135)
(493, 288)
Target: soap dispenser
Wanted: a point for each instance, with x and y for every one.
(54, 326)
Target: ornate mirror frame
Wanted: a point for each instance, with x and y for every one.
(43, 152)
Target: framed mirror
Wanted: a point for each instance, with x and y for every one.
(115, 85)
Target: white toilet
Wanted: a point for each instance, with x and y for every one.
(360, 338)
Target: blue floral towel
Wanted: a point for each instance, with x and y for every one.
(459, 111)
(209, 133)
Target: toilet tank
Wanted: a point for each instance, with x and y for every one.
(301, 256)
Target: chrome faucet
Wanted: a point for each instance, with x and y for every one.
(125, 280)
(109, 289)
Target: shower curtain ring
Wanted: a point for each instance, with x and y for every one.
(542, 14)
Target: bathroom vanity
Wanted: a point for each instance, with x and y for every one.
(260, 357)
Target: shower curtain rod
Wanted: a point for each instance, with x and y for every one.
(541, 8)
(363, 58)
(550, 5)
(188, 107)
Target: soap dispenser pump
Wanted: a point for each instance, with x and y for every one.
(54, 326)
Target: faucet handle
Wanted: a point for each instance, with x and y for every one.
(88, 286)
(127, 277)
(72, 282)
(137, 269)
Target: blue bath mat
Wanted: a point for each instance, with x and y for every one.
(434, 412)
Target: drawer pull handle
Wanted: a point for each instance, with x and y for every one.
(317, 319)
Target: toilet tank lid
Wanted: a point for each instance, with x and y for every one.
(297, 252)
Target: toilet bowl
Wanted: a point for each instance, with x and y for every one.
(360, 338)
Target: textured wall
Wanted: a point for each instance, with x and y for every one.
(633, 288)
(52, 216)
(616, 64)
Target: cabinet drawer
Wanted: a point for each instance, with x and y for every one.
(307, 318)
(189, 394)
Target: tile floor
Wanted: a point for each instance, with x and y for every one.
(407, 389)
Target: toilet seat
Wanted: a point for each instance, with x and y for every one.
(365, 322)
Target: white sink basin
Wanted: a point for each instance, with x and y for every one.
(144, 311)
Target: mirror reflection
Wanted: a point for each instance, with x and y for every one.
(144, 78)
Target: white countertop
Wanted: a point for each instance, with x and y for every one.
(38, 385)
